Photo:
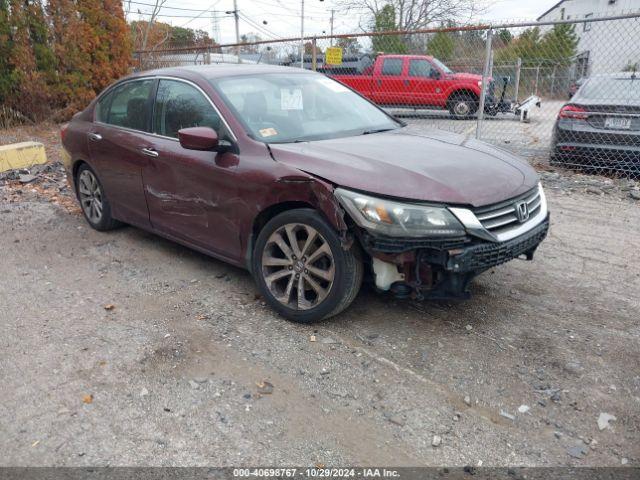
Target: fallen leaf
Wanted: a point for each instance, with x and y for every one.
(264, 388)
(87, 399)
(109, 307)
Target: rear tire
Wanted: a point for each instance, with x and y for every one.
(462, 105)
(93, 200)
(302, 269)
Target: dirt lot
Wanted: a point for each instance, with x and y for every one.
(170, 373)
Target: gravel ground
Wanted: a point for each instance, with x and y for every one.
(126, 349)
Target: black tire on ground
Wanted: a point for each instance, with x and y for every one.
(462, 105)
(347, 267)
(104, 221)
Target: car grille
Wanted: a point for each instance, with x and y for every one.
(487, 255)
(501, 217)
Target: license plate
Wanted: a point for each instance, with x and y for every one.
(618, 123)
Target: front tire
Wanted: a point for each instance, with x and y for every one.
(93, 201)
(462, 105)
(302, 269)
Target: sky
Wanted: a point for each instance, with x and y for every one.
(282, 17)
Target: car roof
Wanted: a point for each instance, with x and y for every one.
(219, 70)
(617, 75)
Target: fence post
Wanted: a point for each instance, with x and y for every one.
(537, 78)
(485, 77)
(314, 54)
(518, 67)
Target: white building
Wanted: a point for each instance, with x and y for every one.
(603, 47)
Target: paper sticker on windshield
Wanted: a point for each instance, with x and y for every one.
(290, 99)
(268, 132)
(333, 85)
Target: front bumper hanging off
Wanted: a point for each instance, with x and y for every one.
(444, 271)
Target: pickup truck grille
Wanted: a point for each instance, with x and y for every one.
(501, 217)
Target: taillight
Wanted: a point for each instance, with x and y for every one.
(574, 112)
(63, 131)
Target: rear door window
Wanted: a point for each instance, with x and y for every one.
(392, 66)
(181, 105)
(129, 105)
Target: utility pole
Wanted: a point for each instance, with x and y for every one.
(301, 34)
(237, 18)
(331, 29)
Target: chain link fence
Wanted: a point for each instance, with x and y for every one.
(564, 92)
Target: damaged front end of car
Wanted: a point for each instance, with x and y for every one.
(433, 251)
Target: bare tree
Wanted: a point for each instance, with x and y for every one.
(415, 14)
(154, 13)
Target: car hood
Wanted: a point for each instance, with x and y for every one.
(466, 76)
(437, 166)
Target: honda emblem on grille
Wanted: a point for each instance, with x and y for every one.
(522, 211)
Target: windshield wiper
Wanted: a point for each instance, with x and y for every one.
(376, 130)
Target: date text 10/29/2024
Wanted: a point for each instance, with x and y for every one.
(316, 472)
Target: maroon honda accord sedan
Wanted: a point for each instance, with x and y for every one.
(302, 181)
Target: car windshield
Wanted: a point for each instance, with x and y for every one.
(286, 108)
(615, 90)
(442, 66)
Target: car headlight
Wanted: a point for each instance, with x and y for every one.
(397, 219)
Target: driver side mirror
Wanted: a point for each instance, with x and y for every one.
(198, 138)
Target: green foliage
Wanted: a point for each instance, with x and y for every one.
(385, 21)
(442, 46)
(504, 36)
(557, 47)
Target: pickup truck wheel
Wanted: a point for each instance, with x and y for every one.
(462, 105)
(302, 269)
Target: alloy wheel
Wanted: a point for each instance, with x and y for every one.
(298, 266)
(90, 196)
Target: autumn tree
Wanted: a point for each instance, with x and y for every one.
(31, 59)
(7, 77)
(72, 48)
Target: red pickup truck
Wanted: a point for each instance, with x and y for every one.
(415, 81)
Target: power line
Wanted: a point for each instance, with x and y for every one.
(260, 28)
(166, 7)
(173, 16)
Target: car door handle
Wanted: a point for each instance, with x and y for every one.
(150, 152)
(95, 137)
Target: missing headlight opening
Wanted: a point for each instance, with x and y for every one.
(421, 264)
